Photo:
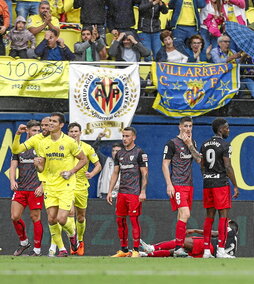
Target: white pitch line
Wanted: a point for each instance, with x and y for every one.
(128, 273)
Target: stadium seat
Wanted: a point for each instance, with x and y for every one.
(250, 15)
(3, 58)
(14, 16)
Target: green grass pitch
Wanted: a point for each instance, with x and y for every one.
(106, 270)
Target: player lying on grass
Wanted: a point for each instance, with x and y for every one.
(194, 246)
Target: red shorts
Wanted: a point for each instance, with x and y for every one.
(28, 198)
(217, 197)
(128, 205)
(182, 198)
(198, 247)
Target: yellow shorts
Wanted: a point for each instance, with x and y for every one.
(80, 198)
(63, 199)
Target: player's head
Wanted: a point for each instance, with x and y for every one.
(233, 226)
(74, 130)
(185, 125)
(220, 127)
(33, 127)
(56, 122)
(45, 126)
(115, 148)
(129, 136)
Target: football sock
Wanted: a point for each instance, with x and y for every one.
(37, 250)
(56, 235)
(81, 227)
(136, 231)
(69, 228)
(222, 230)
(180, 233)
(165, 245)
(208, 224)
(160, 253)
(20, 229)
(53, 244)
(38, 233)
(122, 229)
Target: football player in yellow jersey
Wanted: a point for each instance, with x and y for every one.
(82, 184)
(57, 155)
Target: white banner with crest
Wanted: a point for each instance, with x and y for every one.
(103, 99)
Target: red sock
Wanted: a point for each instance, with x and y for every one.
(165, 245)
(180, 232)
(20, 228)
(122, 229)
(208, 224)
(38, 232)
(222, 229)
(136, 231)
(160, 253)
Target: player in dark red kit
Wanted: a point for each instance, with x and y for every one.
(216, 169)
(179, 153)
(27, 192)
(132, 164)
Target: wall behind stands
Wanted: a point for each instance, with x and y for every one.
(153, 133)
(157, 223)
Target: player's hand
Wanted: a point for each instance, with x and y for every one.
(38, 191)
(88, 175)
(170, 191)
(38, 161)
(22, 129)
(187, 139)
(236, 193)
(66, 174)
(142, 196)
(14, 185)
(109, 198)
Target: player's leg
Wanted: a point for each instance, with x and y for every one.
(19, 225)
(134, 211)
(122, 227)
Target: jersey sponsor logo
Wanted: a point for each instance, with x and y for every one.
(144, 158)
(211, 176)
(61, 147)
(131, 157)
(124, 167)
(55, 154)
(185, 156)
(26, 161)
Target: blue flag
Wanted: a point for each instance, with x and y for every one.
(193, 88)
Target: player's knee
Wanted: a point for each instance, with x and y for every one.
(15, 217)
(120, 220)
(81, 218)
(62, 220)
(35, 217)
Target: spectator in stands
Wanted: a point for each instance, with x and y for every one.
(91, 46)
(126, 48)
(222, 53)
(27, 8)
(168, 52)
(211, 19)
(43, 21)
(185, 21)
(93, 12)
(20, 38)
(53, 48)
(197, 52)
(247, 74)
(150, 25)
(4, 24)
(120, 16)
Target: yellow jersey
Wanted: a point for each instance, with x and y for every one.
(82, 182)
(60, 156)
(36, 21)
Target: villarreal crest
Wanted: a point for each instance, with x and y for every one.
(195, 92)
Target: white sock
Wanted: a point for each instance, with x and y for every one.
(37, 250)
(207, 251)
(24, 243)
(53, 247)
(221, 250)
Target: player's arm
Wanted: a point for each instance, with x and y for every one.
(166, 173)
(231, 175)
(144, 182)
(12, 174)
(189, 142)
(39, 163)
(112, 183)
(200, 232)
(95, 171)
(16, 146)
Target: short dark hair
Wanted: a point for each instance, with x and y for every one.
(132, 129)
(120, 145)
(54, 32)
(197, 37)
(32, 123)
(87, 28)
(233, 225)
(60, 115)
(217, 123)
(44, 2)
(165, 34)
(184, 119)
(73, 124)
